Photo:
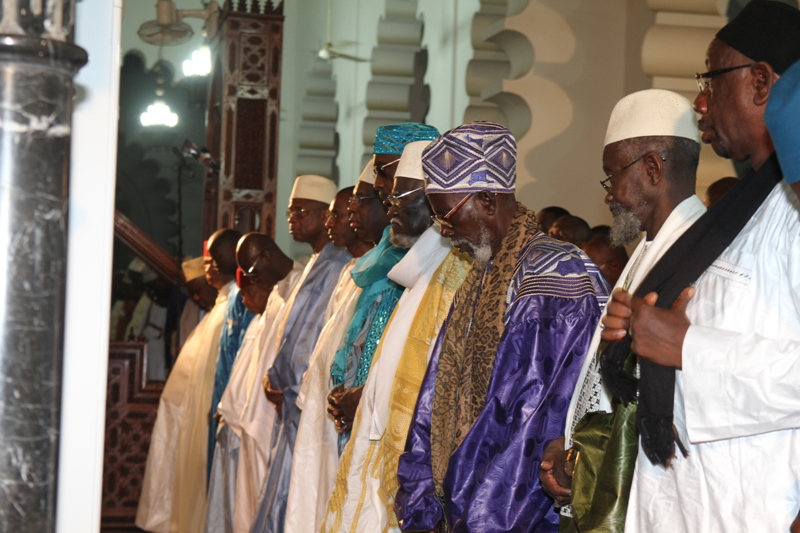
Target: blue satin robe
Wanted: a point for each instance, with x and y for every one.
(492, 481)
(303, 326)
(237, 318)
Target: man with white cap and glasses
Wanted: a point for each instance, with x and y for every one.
(650, 158)
(506, 359)
(388, 147)
(719, 449)
(430, 273)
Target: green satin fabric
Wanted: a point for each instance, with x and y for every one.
(608, 444)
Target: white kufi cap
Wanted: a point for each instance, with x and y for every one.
(312, 187)
(367, 175)
(652, 113)
(193, 268)
(410, 165)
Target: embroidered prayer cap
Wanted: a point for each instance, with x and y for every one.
(313, 187)
(652, 113)
(367, 175)
(474, 157)
(781, 116)
(242, 280)
(765, 31)
(391, 139)
(193, 268)
(410, 165)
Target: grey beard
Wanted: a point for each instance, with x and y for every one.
(482, 251)
(625, 228)
(402, 241)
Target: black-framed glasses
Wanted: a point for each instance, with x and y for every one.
(381, 170)
(394, 199)
(609, 186)
(299, 212)
(444, 221)
(704, 79)
(357, 199)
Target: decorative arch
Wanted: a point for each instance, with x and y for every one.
(317, 137)
(396, 91)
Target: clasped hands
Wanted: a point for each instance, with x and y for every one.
(274, 396)
(656, 334)
(342, 405)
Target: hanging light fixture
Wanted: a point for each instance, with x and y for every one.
(159, 113)
(199, 64)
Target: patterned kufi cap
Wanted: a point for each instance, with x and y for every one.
(474, 157)
(393, 138)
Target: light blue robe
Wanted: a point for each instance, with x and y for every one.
(303, 326)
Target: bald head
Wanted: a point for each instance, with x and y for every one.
(258, 256)
(611, 260)
(548, 215)
(222, 247)
(571, 229)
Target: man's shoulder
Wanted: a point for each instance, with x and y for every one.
(544, 255)
(555, 268)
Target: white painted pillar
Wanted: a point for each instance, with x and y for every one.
(90, 242)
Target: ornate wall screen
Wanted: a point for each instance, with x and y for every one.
(244, 114)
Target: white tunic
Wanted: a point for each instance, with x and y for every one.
(177, 413)
(737, 400)
(363, 510)
(681, 218)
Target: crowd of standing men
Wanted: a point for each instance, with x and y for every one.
(442, 364)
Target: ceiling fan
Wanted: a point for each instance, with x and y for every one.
(169, 30)
(328, 51)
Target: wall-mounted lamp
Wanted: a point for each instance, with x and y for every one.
(199, 64)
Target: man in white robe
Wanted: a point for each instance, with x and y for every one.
(357, 504)
(220, 514)
(316, 458)
(735, 347)
(287, 353)
(181, 413)
(663, 208)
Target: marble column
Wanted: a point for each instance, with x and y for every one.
(37, 63)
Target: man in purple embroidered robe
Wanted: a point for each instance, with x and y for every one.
(507, 359)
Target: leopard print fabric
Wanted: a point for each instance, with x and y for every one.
(467, 354)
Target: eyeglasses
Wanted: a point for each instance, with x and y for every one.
(606, 183)
(299, 212)
(381, 169)
(394, 199)
(704, 80)
(444, 221)
(357, 199)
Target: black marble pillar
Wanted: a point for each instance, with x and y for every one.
(35, 105)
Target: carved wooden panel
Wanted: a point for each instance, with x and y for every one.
(131, 405)
(248, 54)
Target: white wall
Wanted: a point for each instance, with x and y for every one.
(91, 227)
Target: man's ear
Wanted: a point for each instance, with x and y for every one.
(763, 80)
(655, 168)
(488, 202)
